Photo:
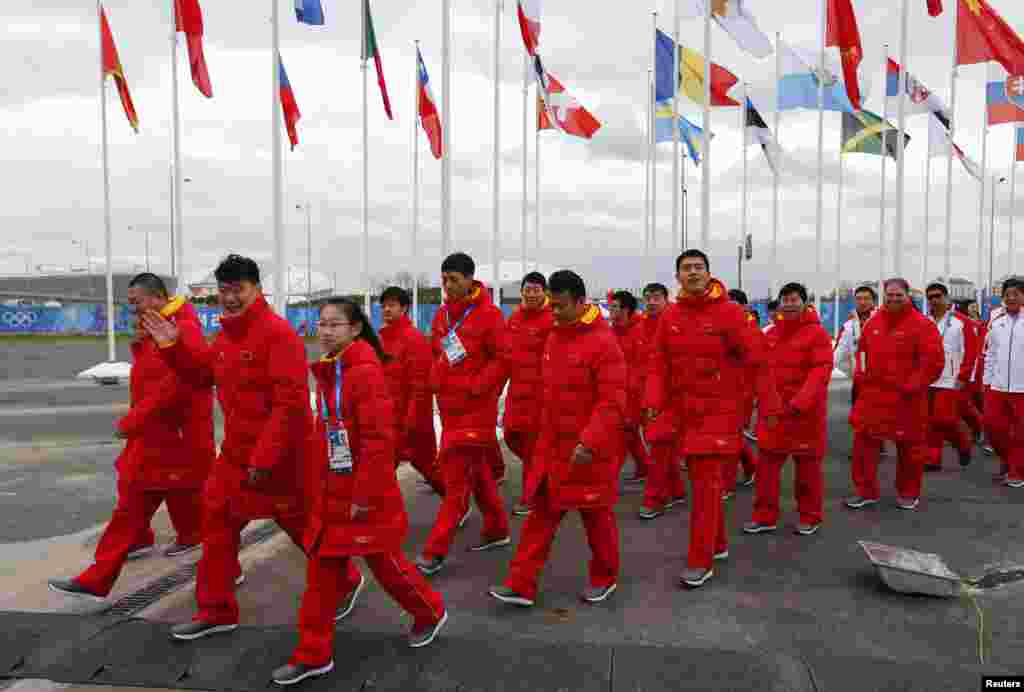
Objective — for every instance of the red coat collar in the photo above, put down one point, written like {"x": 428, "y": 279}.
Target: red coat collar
{"x": 238, "y": 326}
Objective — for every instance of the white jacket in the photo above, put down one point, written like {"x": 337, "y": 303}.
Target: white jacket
{"x": 846, "y": 348}
{"x": 1004, "y": 355}
{"x": 959, "y": 343}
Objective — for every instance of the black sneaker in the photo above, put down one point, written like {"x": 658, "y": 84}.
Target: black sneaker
{"x": 596, "y": 594}
{"x": 71, "y": 587}
{"x": 758, "y": 527}
{"x": 181, "y": 549}
{"x": 521, "y": 510}
{"x": 491, "y": 544}
{"x": 421, "y": 636}
{"x": 749, "y": 481}
{"x": 647, "y": 513}
{"x": 695, "y": 578}
{"x": 350, "y": 601}
{"x": 966, "y": 458}
{"x": 294, "y": 673}
{"x": 676, "y": 501}
{"x": 510, "y": 597}
{"x": 137, "y": 552}
{"x": 429, "y": 565}
{"x": 197, "y": 630}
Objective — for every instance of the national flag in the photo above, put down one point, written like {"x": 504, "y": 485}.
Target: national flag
{"x": 529, "y": 24}
{"x": 112, "y": 68}
{"x": 427, "y": 107}
{"x": 982, "y": 35}
{"x": 798, "y": 86}
{"x": 1020, "y": 144}
{"x": 689, "y": 134}
{"x": 288, "y": 105}
{"x": 939, "y": 144}
{"x": 188, "y": 19}
{"x": 1000, "y": 100}
{"x": 557, "y": 109}
{"x": 691, "y": 75}
{"x": 866, "y": 133}
{"x": 919, "y": 99}
{"x": 842, "y": 32}
{"x": 309, "y": 12}
{"x": 735, "y": 18}
{"x": 935, "y": 7}
{"x": 757, "y": 131}
{"x": 371, "y": 50}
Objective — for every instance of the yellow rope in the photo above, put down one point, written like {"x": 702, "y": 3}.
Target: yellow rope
{"x": 969, "y": 594}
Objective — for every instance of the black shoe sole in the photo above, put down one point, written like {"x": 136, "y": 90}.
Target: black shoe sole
{"x": 311, "y": 673}
{"x": 78, "y": 594}
{"x": 517, "y": 600}
{"x": 216, "y": 629}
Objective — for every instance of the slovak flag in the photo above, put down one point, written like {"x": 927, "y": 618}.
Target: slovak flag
{"x": 289, "y": 107}
{"x": 557, "y": 109}
{"x": 427, "y": 108}
{"x": 529, "y": 24}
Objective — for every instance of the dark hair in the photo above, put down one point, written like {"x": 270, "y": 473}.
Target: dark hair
{"x": 397, "y": 294}
{"x": 756, "y": 315}
{"x": 534, "y": 278}
{"x": 656, "y": 288}
{"x": 793, "y": 287}
{"x": 354, "y": 313}
{"x": 902, "y": 283}
{"x": 936, "y": 287}
{"x": 738, "y": 296}
{"x": 565, "y": 281}
{"x": 151, "y": 283}
{"x": 1013, "y": 282}
{"x": 235, "y": 268}
{"x": 693, "y": 253}
{"x": 459, "y": 262}
{"x": 626, "y": 300}
{"x": 867, "y": 289}
{"x": 773, "y": 305}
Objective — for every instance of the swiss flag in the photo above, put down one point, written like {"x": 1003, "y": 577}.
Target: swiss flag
{"x": 558, "y": 105}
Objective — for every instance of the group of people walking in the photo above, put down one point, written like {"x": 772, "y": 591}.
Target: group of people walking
{"x": 672, "y": 385}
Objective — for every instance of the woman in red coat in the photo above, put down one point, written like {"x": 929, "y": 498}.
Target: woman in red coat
{"x": 357, "y": 505}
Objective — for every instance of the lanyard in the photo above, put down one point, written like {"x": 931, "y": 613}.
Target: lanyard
{"x": 448, "y": 321}
{"x": 947, "y": 321}
{"x": 324, "y": 411}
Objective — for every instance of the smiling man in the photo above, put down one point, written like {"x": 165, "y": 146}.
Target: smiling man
{"x": 1004, "y": 384}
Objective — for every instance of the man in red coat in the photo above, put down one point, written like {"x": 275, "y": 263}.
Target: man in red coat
{"x": 972, "y": 395}
{"x": 468, "y": 375}
{"x": 703, "y": 349}
{"x": 581, "y": 446}
{"x": 408, "y": 375}
{"x": 747, "y": 457}
{"x": 629, "y": 330}
{"x": 169, "y": 452}
{"x": 258, "y": 364}
{"x": 899, "y": 356}
{"x": 526, "y": 332}
{"x": 801, "y": 354}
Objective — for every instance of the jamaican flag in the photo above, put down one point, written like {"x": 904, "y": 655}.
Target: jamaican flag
{"x": 866, "y": 133}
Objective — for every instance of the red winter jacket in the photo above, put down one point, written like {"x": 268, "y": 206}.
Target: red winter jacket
{"x": 800, "y": 351}
{"x": 651, "y": 323}
{"x": 899, "y": 356}
{"x": 584, "y": 403}
{"x": 408, "y": 376}
{"x": 697, "y": 364}
{"x": 467, "y": 392}
{"x": 366, "y": 413}
{"x": 525, "y": 335}
{"x": 258, "y": 364}
{"x": 633, "y": 343}
{"x": 170, "y": 424}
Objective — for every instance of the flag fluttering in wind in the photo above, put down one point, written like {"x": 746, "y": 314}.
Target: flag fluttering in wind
{"x": 188, "y": 19}
{"x": 1020, "y": 144}
{"x": 934, "y": 7}
{"x": 843, "y": 33}
{"x": 939, "y": 144}
{"x": 309, "y": 12}
{"x": 735, "y": 18}
{"x": 757, "y": 131}
{"x": 371, "y": 50}
{"x": 866, "y": 133}
{"x": 429, "y": 118}
{"x": 1004, "y": 101}
{"x": 919, "y": 99}
{"x": 982, "y": 35}
{"x": 690, "y": 134}
{"x": 798, "y": 85}
{"x": 112, "y": 68}
{"x": 558, "y": 110}
{"x": 690, "y": 80}
{"x": 289, "y": 107}
{"x": 529, "y": 24}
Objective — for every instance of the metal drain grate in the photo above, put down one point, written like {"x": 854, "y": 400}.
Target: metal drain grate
{"x": 149, "y": 594}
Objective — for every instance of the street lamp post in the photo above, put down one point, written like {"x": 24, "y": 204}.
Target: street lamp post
{"x": 88, "y": 262}
{"x": 992, "y": 239}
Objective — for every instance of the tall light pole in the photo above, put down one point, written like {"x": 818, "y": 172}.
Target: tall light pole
{"x": 309, "y": 252}
{"x": 84, "y": 244}
{"x": 996, "y": 180}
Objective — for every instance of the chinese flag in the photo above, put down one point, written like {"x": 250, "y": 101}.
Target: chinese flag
{"x": 112, "y": 68}
{"x": 188, "y": 18}
{"x": 982, "y": 35}
{"x": 842, "y": 32}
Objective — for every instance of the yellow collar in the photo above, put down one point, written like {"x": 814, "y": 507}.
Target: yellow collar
{"x": 173, "y": 306}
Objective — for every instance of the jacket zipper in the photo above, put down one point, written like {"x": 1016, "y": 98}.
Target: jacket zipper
{"x": 1009, "y": 360}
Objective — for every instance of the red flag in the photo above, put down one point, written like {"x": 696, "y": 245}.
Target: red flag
{"x": 842, "y": 32}
{"x": 289, "y": 106}
{"x": 112, "y": 68}
{"x": 570, "y": 117}
{"x": 982, "y": 35}
{"x": 188, "y": 18}
{"x": 429, "y": 118}
{"x": 935, "y": 7}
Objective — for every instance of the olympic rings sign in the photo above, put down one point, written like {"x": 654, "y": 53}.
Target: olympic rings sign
{"x": 19, "y": 319}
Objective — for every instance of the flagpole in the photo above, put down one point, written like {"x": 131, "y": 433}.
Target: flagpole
{"x": 820, "y": 212}
{"x": 177, "y": 191}
{"x": 446, "y": 168}
{"x": 526, "y": 156}
{"x": 676, "y": 187}
{"x": 654, "y": 142}
{"x": 981, "y": 205}
{"x": 648, "y": 134}
{"x": 743, "y": 202}
{"x": 536, "y": 195}
{"x": 775, "y": 180}
{"x": 280, "y": 258}
{"x": 365, "y": 211}
{"x": 948, "y": 250}
{"x": 897, "y": 257}
{"x": 925, "y": 235}
{"x": 1013, "y": 204}
{"x": 415, "y": 186}
{"x": 839, "y": 244}
{"x": 495, "y": 163}
{"x": 107, "y": 232}
{"x": 885, "y": 160}
{"x": 705, "y": 204}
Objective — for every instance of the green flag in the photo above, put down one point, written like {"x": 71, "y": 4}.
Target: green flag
{"x": 370, "y": 50}
{"x": 866, "y": 133}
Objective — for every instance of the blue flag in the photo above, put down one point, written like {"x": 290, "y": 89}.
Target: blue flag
{"x": 690, "y": 135}
{"x": 665, "y": 79}
{"x": 309, "y": 12}
{"x": 798, "y": 85}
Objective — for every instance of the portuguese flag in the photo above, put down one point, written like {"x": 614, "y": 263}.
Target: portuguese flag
{"x": 866, "y": 133}
{"x": 370, "y": 50}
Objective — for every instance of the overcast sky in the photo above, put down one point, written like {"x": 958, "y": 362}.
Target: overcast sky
{"x": 592, "y": 192}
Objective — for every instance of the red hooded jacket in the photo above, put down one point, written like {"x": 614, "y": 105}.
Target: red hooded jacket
{"x": 633, "y": 343}
{"x": 408, "y": 376}
{"x": 467, "y": 392}
{"x": 258, "y": 364}
{"x": 170, "y": 424}
{"x": 800, "y": 351}
{"x": 700, "y": 352}
{"x": 899, "y": 356}
{"x": 584, "y": 403}
{"x": 366, "y": 413}
{"x": 525, "y": 335}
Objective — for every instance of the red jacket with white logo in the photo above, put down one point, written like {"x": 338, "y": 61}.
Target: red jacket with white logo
{"x": 702, "y": 348}
{"x": 408, "y": 377}
{"x": 584, "y": 403}
{"x": 366, "y": 412}
{"x": 800, "y": 351}
{"x": 899, "y": 356}
{"x": 633, "y": 343}
{"x": 525, "y": 336}
{"x": 170, "y": 424}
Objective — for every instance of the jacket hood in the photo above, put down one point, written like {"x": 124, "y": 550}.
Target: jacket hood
{"x": 478, "y": 297}
{"x": 591, "y": 318}
{"x": 357, "y": 353}
{"x": 714, "y": 293}
{"x": 809, "y": 315}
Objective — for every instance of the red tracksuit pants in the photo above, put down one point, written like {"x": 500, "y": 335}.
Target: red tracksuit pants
{"x": 329, "y": 579}
{"x": 909, "y": 467}
{"x": 638, "y": 450}
{"x": 944, "y": 424}
{"x": 423, "y": 458}
{"x": 466, "y": 470}
{"x": 708, "y": 534}
{"x": 748, "y": 458}
{"x": 497, "y": 461}
{"x": 130, "y": 520}
{"x": 809, "y": 488}
{"x": 538, "y": 534}
{"x": 522, "y": 443}
{"x": 664, "y": 478}
{"x": 1004, "y": 424}
{"x": 971, "y": 404}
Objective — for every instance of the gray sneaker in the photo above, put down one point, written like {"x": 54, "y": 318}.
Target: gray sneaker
{"x": 757, "y": 527}
{"x": 421, "y": 636}
{"x": 350, "y": 601}
{"x": 675, "y": 501}
{"x": 695, "y": 578}
{"x": 807, "y": 529}
{"x": 189, "y": 631}
{"x": 596, "y": 594}
{"x": 72, "y": 587}
{"x": 294, "y": 673}
{"x": 858, "y": 502}
{"x": 429, "y": 565}
{"x": 137, "y": 552}
{"x": 647, "y": 513}
{"x": 1015, "y": 483}
{"x": 908, "y": 503}
{"x": 521, "y": 510}
{"x": 490, "y": 544}
{"x": 722, "y": 555}
{"x": 510, "y": 597}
